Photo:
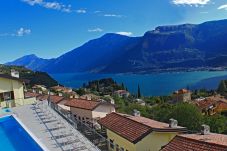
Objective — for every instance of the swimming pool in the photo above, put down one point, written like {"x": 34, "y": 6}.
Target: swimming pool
{"x": 13, "y": 137}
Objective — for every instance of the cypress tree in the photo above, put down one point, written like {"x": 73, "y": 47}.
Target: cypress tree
{"x": 222, "y": 87}
{"x": 138, "y": 92}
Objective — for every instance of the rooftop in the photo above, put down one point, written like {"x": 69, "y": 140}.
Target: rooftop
{"x": 181, "y": 91}
{"x": 83, "y": 104}
{"x": 46, "y": 125}
{"x": 134, "y": 128}
{"x": 32, "y": 94}
{"x": 202, "y": 104}
{"x": 198, "y": 142}
{"x": 5, "y": 76}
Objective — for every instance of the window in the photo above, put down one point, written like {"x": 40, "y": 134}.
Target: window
{"x": 111, "y": 144}
{"x": 7, "y": 95}
{"x": 122, "y": 149}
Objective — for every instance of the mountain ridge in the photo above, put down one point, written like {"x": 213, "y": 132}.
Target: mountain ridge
{"x": 172, "y": 47}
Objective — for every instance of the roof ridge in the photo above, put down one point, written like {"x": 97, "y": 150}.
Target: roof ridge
{"x": 131, "y": 119}
{"x": 201, "y": 140}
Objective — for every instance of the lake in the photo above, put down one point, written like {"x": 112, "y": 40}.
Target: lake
{"x": 154, "y": 84}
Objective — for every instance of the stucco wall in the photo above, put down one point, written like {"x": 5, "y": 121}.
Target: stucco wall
{"x": 81, "y": 112}
{"x": 122, "y": 142}
{"x": 152, "y": 142}
{"x": 102, "y": 110}
{"x": 7, "y": 85}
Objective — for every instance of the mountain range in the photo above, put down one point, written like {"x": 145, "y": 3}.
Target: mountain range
{"x": 175, "y": 47}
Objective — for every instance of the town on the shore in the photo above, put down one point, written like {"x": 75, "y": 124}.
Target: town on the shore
{"x": 106, "y": 110}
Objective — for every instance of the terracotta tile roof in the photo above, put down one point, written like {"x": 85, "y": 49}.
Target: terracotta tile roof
{"x": 56, "y": 99}
{"x": 42, "y": 97}
{"x": 197, "y": 142}
{"x": 129, "y": 129}
{"x": 31, "y": 94}
{"x": 206, "y": 103}
{"x": 83, "y": 104}
{"x": 134, "y": 128}
{"x": 181, "y": 91}
{"x": 222, "y": 105}
{"x": 155, "y": 125}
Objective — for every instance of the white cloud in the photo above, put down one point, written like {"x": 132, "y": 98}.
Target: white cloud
{"x": 23, "y": 31}
{"x": 20, "y": 32}
{"x": 223, "y": 7}
{"x": 191, "y": 2}
{"x": 95, "y": 30}
{"x": 112, "y": 15}
{"x": 49, "y": 5}
{"x": 125, "y": 33}
{"x": 81, "y": 11}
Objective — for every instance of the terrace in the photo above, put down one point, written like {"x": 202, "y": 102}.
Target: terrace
{"x": 52, "y": 130}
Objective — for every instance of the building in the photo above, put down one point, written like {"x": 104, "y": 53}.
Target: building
{"x": 12, "y": 91}
{"x": 198, "y": 142}
{"x": 207, "y": 106}
{"x": 182, "y": 95}
{"x": 90, "y": 96}
{"x": 136, "y": 133}
{"x": 59, "y": 88}
{"x": 211, "y": 105}
{"x": 39, "y": 88}
{"x": 122, "y": 93}
{"x": 88, "y": 111}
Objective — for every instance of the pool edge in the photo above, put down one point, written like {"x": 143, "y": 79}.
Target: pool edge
{"x": 42, "y": 146}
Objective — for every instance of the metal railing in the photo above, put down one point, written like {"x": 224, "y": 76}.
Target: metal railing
{"x": 97, "y": 137}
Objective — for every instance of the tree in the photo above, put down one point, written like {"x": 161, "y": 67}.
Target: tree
{"x": 222, "y": 87}
{"x": 188, "y": 116}
{"x": 138, "y": 91}
{"x": 122, "y": 85}
{"x": 217, "y": 123}
{"x": 162, "y": 112}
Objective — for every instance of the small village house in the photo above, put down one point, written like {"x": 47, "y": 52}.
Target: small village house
{"x": 39, "y": 88}
{"x": 136, "y": 133}
{"x": 122, "y": 93}
{"x": 89, "y": 111}
{"x": 182, "y": 95}
{"x": 211, "y": 105}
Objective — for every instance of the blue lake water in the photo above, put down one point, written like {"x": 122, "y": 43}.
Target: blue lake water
{"x": 150, "y": 84}
{"x": 14, "y": 138}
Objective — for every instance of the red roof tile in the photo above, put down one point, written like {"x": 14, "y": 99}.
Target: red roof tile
{"x": 129, "y": 129}
{"x": 55, "y": 99}
{"x": 206, "y": 103}
{"x": 83, "y": 104}
{"x": 197, "y": 142}
{"x": 42, "y": 97}
{"x": 181, "y": 91}
{"x": 32, "y": 94}
{"x": 134, "y": 128}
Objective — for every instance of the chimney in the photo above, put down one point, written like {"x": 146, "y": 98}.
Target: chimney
{"x": 15, "y": 73}
{"x": 112, "y": 101}
{"x": 205, "y": 129}
{"x": 173, "y": 123}
{"x": 136, "y": 112}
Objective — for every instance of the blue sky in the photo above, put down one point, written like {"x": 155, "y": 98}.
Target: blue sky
{"x": 49, "y": 28}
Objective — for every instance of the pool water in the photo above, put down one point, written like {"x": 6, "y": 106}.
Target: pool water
{"x": 13, "y": 136}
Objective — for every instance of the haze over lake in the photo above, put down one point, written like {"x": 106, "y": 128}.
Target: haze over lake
{"x": 150, "y": 84}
